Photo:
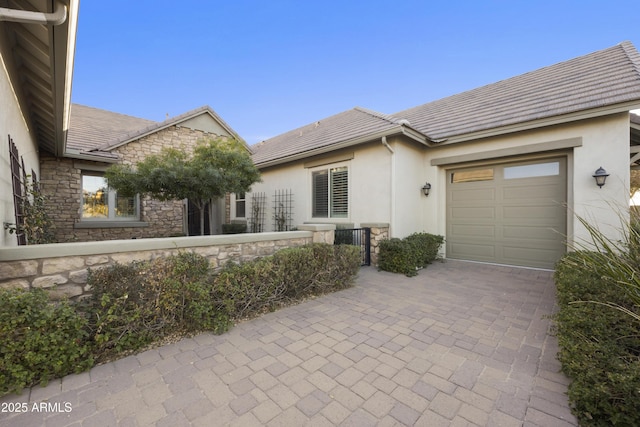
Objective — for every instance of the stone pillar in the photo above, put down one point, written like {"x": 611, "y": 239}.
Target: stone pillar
{"x": 379, "y": 232}
{"x": 322, "y": 233}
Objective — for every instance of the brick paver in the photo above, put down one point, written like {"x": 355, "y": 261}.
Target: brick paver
{"x": 460, "y": 344}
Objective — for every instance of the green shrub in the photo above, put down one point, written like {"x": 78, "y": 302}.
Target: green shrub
{"x": 408, "y": 255}
{"x": 234, "y": 228}
{"x": 599, "y": 342}
{"x": 39, "y": 340}
{"x": 133, "y": 305}
{"x": 424, "y": 247}
{"x": 243, "y": 290}
{"x": 254, "y": 287}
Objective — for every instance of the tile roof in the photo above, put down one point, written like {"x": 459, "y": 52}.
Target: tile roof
{"x": 607, "y": 77}
{"x": 600, "y": 79}
{"x": 95, "y": 132}
{"x": 90, "y": 128}
{"x": 355, "y": 123}
{"x": 157, "y": 126}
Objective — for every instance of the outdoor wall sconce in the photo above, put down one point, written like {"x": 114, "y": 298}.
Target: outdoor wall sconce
{"x": 600, "y": 176}
{"x": 426, "y": 188}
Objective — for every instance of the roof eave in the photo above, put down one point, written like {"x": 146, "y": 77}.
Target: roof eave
{"x": 83, "y": 155}
{"x": 362, "y": 139}
{"x": 64, "y": 38}
{"x": 549, "y": 121}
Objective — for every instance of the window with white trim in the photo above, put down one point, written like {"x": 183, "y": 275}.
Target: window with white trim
{"x": 330, "y": 193}
{"x": 101, "y": 203}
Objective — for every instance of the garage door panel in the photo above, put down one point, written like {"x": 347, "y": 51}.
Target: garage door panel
{"x": 540, "y": 192}
{"x": 516, "y": 221}
{"x": 540, "y": 233}
{"x": 473, "y": 212}
{"x": 526, "y": 213}
{"x": 473, "y": 230}
{"x": 471, "y": 195}
{"x": 479, "y": 251}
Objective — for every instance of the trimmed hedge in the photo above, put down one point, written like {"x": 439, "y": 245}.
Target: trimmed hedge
{"x": 138, "y": 304}
{"x": 410, "y": 254}
{"x": 599, "y": 344}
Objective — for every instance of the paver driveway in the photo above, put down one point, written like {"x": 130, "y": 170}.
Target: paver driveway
{"x": 461, "y": 344}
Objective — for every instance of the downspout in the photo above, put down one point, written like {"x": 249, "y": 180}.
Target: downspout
{"x": 59, "y": 15}
{"x": 392, "y": 212}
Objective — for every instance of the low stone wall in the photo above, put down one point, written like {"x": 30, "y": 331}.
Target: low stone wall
{"x": 62, "y": 268}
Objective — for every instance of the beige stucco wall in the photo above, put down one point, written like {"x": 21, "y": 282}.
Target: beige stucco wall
{"x": 408, "y": 182}
{"x": 13, "y": 123}
{"x": 369, "y": 186}
{"x": 604, "y": 142}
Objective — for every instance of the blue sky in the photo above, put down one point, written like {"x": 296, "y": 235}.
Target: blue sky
{"x": 267, "y": 67}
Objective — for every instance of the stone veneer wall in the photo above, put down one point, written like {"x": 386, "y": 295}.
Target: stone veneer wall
{"x": 61, "y": 182}
{"x": 379, "y": 232}
{"x": 62, "y": 268}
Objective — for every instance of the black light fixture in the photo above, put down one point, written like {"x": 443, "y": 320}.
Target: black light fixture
{"x": 426, "y": 188}
{"x": 600, "y": 176}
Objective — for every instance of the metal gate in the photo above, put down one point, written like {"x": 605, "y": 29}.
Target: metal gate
{"x": 357, "y": 237}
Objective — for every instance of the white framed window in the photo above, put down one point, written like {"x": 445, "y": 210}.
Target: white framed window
{"x": 101, "y": 203}
{"x": 330, "y": 192}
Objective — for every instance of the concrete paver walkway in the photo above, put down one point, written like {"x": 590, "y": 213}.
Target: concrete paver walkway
{"x": 461, "y": 344}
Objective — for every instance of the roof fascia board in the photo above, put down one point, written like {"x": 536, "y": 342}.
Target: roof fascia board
{"x": 62, "y": 58}
{"x": 73, "y": 154}
{"x": 400, "y": 129}
{"x": 550, "y": 121}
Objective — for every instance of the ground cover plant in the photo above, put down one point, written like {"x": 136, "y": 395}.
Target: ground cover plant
{"x": 410, "y": 254}
{"x": 598, "y": 328}
{"x": 135, "y": 305}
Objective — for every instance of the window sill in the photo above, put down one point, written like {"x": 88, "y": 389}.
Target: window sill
{"x": 110, "y": 224}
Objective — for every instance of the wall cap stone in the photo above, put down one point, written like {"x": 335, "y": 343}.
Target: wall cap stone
{"x": 375, "y": 224}
{"x": 17, "y": 253}
{"x": 317, "y": 227}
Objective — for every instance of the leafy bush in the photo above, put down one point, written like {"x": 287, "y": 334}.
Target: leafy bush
{"x": 289, "y": 275}
{"x": 599, "y": 341}
{"x": 425, "y": 247}
{"x": 39, "y": 340}
{"x": 135, "y": 304}
{"x": 234, "y": 228}
{"x": 408, "y": 255}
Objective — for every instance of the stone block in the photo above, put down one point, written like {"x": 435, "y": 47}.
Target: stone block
{"x": 49, "y": 281}
{"x": 65, "y": 291}
{"x": 96, "y": 260}
{"x": 15, "y": 284}
{"x": 207, "y": 251}
{"x": 79, "y": 276}
{"x": 16, "y": 269}
{"x": 60, "y": 265}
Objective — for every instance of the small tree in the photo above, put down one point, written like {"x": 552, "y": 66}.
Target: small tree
{"x": 218, "y": 166}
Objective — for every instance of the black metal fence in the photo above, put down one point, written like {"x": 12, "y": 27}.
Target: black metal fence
{"x": 357, "y": 237}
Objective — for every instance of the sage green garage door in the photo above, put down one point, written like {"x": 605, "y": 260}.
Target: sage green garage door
{"x": 510, "y": 214}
